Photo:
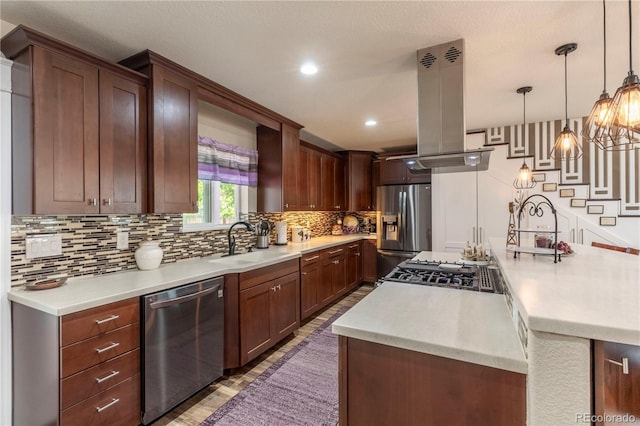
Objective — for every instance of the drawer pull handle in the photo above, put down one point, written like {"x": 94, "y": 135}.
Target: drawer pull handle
{"x": 104, "y": 407}
{"x": 335, "y": 251}
{"x": 624, "y": 364}
{"x": 311, "y": 258}
{"x": 111, "y": 318}
{"x": 353, "y": 246}
{"x": 114, "y": 373}
{"x": 111, "y": 346}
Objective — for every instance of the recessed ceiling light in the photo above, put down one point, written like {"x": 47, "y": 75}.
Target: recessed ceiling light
{"x": 370, "y": 123}
{"x": 309, "y": 68}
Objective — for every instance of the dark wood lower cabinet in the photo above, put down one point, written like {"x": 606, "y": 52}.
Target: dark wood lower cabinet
{"x": 616, "y": 387}
{"x": 268, "y": 312}
{"x": 369, "y": 266}
{"x": 384, "y": 385}
{"x": 354, "y": 264}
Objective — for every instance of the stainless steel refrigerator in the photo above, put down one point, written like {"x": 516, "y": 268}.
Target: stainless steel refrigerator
{"x": 403, "y": 223}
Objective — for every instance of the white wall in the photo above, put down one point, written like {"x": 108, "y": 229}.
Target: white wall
{"x": 226, "y": 127}
{"x": 5, "y": 241}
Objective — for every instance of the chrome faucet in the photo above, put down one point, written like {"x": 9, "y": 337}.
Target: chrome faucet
{"x": 232, "y": 240}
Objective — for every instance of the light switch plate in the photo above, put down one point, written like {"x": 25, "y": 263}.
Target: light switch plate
{"x": 122, "y": 240}
{"x": 44, "y": 246}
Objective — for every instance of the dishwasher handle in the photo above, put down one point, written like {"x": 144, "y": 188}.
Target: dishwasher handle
{"x": 182, "y": 299}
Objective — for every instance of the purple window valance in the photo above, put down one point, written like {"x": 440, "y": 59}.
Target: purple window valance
{"x": 227, "y": 163}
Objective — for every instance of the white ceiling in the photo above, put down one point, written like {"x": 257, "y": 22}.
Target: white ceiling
{"x": 365, "y": 52}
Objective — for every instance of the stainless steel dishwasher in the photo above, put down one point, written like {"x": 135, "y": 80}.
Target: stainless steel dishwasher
{"x": 182, "y": 344}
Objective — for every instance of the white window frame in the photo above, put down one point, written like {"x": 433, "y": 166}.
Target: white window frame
{"x": 241, "y": 207}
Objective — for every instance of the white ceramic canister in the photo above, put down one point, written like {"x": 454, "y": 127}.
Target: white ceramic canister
{"x": 297, "y": 234}
{"x": 148, "y": 255}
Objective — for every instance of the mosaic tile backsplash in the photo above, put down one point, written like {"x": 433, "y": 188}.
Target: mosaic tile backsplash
{"x": 89, "y": 242}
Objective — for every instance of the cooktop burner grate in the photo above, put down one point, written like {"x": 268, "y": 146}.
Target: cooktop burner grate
{"x": 442, "y": 274}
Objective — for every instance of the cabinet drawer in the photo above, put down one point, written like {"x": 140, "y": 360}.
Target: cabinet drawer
{"x": 91, "y": 322}
{"x": 97, "y": 379}
{"x": 311, "y": 258}
{"x": 98, "y": 349}
{"x": 119, "y": 405}
{"x": 335, "y": 251}
{"x": 258, "y": 276}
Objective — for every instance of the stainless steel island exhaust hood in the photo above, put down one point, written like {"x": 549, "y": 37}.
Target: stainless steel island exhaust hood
{"x": 441, "y": 113}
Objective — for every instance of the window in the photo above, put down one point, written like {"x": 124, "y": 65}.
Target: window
{"x": 224, "y": 173}
{"x": 219, "y": 204}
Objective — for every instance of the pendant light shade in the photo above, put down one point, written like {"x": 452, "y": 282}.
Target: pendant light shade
{"x": 524, "y": 179}
{"x": 625, "y": 107}
{"x": 566, "y": 146}
{"x": 597, "y": 126}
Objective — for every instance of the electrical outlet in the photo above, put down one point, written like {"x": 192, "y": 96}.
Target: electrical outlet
{"x": 44, "y": 246}
{"x": 122, "y": 240}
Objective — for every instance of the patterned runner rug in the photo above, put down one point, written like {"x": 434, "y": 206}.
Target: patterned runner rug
{"x": 301, "y": 388}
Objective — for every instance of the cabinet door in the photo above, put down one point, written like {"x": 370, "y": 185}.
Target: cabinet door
{"x": 339, "y": 185}
{"x": 369, "y": 267}
{"x": 392, "y": 172}
{"x": 309, "y": 182}
{"x": 290, "y": 147}
{"x": 454, "y": 210}
{"x": 255, "y": 321}
{"x": 310, "y": 279}
{"x": 339, "y": 274}
{"x": 174, "y": 143}
{"x": 423, "y": 176}
{"x": 123, "y": 145}
{"x": 325, "y": 288}
{"x": 65, "y": 132}
{"x": 286, "y": 307}
{"x": 327, "y": 182}
{"x": 375, "y": 182}
{"x": 359, "y": 176}
{"x": 354, "y": 265}
{"x": 616, "y": 390}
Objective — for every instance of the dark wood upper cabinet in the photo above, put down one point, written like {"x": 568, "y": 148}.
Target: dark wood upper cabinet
{"x": 309, "y": 188}
{"x": 173, "y": 134}
{"x": 123, "y": 145}
{"x": 278, "y": 157}
{"x": 359, "y": 175}
{"x": 78, "y": 129}
{"x": 375, "y": 182}
{"x": 396, "y": 172}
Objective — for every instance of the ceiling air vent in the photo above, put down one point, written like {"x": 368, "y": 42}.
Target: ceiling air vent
{"x": 452, "y": 54}
{"x": 428, "y": 60}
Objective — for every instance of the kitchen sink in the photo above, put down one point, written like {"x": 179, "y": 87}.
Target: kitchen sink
{"x": 246, "y": 258}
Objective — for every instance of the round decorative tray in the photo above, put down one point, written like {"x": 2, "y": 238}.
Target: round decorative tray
{"x": 44, "y": 285}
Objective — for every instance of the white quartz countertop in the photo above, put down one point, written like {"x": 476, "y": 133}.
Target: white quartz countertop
{"x": 458, "y": 324}
{"x": 85, "y": 293}
{"x": 594, "y": 293}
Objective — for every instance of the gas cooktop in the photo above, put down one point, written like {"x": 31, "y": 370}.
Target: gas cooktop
{"x": 444, "y": 274}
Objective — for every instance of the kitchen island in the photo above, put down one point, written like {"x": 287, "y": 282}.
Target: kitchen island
{"x": 556, "y": 309}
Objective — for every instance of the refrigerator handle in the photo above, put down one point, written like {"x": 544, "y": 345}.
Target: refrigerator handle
{"x": 403, "y": 210}
{"x": 400, "y": 219}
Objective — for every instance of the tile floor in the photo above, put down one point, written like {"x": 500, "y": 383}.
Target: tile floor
{"x": 196, "y": 409}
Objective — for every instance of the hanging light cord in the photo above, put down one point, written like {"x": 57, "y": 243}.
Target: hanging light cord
{"x": 630, "y": 61}
{"x": 524, "y": 124}
{"x": 604, "y": 30}
{"x": 566, "y": 114}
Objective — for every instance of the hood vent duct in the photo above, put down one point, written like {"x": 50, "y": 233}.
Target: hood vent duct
{"x": 441, "y": 113}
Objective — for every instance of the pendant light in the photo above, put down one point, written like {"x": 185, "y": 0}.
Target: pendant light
{"x": 596, "y": 128}
{"x": 566, "y": 146}
{"x": 524, "y": 179}
{"x": 625, "y": 108}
